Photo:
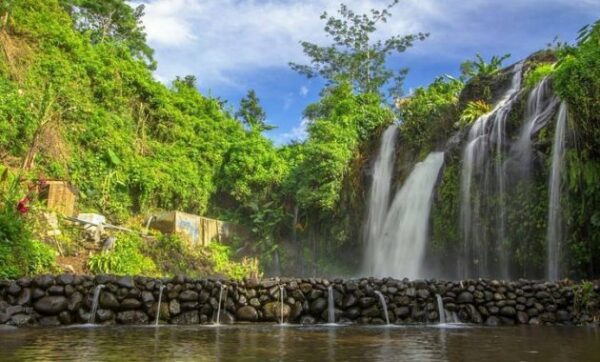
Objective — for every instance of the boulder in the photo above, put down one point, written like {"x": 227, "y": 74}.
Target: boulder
{"x": 130, "y": 303}
{"x": 51, "y": 305}
{"x": 318, "y": 306}
{"x": 465, "y": 298}
{"x": 126, "y": 282}
{"x": 108, "y": 300}
{"x": 247, "y": 313}
{"x": 188, "y": 296}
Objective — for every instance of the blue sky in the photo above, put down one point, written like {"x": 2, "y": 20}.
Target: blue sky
{"x": 232, "y": 46}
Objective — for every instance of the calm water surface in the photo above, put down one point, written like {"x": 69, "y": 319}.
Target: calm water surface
{"x": 301, "y": 343}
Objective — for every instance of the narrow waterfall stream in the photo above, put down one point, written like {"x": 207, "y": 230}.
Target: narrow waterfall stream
{"x": 160, "y": 293}
{"x": 400, "y": 249}
{"x": 383, "y": 306}
{"x": 218, "y": 321}
{"x": 440, "y": 306}
{"x": 483, "y": 172}
{"x": 92, "y": 317}
{"x": 554, "y": 230}
{"x": 330, "y": 305}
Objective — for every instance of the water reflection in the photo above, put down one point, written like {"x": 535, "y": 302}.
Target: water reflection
{"x": 298, "y": 343}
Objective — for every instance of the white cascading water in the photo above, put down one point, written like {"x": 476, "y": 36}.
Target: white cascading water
{"x": 481, "y": 163}
{"x": 379, "y": 194}
{"x": 554, "y": 231}
{"x": 541, "y": 104}
{"x": 400, "y": 248}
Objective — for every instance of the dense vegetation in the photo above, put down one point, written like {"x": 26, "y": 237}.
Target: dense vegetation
{"x": 78, "y": 102}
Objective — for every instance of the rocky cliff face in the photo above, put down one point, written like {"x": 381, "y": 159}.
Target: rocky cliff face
{"x": 67, "y": 299}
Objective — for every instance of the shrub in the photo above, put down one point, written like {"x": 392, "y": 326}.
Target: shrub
{"x": 220, "y": 256}
{"x": 473, "y": 111}
{"x": 125, "y": 259}
{"x": 537, "y": 73}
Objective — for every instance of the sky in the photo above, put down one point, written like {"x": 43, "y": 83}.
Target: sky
{"x": 232, "y": 46}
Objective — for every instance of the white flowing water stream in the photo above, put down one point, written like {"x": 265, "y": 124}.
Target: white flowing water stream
{"x": 482, "y": 167}
{"x": 554, "y": 230}
{"x": 400, "y": 248}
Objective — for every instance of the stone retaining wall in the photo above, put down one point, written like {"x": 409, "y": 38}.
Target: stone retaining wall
{"x": 67, "y": 299}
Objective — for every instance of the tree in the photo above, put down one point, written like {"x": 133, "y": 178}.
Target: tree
{"x": 354, "y": 56}
{"x": 479, "y": 67}
{"x": 252, "y": 114}
{"x": 112, "y": 20}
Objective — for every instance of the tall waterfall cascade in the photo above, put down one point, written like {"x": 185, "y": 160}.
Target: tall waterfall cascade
{"x": 554, "y": 230}
{"x": 379, "y": 194}
{"x": 398, "y": 249}
{"x": 483, "y": 174}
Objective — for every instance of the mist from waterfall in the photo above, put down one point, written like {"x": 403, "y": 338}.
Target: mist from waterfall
{"x": 555, "y": 223}
{"x": 400, "y": 248}
{"x": 483, "y": 175}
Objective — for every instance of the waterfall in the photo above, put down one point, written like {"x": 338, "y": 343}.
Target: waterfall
{"x": 330, "y": 305}
{"x": 541, "y": 104}
{"x": 160, "y": 293}
{"x": 400, "y": 249}
{"x": 218, "y": 322}
{"x": 554, "y": 232}
{"x": 384, "y": 306}
{"x": 281, "y": 300}
{"x": 379, "y": 195}
{"x": 92, "y": 317}
{"x": 441, "y": 311}
{"x": 481, "y": 164}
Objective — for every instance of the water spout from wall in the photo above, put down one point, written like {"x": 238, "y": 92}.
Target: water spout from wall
{"x": 160, "y": 293}
{"x": 281, "y": 287}
{"x": 330, "y": 305}
{"x": 95, "y": 301}
{"x": 441, "y": 311}
{"x": 218, "y": 321}
{"x": 384, "y": 306}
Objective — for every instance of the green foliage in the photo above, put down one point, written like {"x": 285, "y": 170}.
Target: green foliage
{"x": 252, "y": 114}
{"x": 112, "y": 20}
{"x": 584, "y": 296}
{"x": 473, "y": 111}
{"x": 20, "y": 254}
{"x": 354, "y": 56}
{"x": 339, "y": 122}
{"x": 430, "y": 113}
{"x": 538, "y": 72}
{"x": 174, "y": 255}
{"x": 220, "y": 256}
{"x": 481, "y": 68}
{"x": 126, "y": 258}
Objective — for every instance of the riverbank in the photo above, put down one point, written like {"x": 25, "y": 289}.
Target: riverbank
{"x": 69, "y": 299}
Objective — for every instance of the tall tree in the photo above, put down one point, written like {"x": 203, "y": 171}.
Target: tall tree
{"x": 112, "y": 20}
{"x": 252, "y": 114}
{"x": 354, "y": 55}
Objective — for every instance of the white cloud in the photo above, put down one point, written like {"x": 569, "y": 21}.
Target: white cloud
{"x": 303, "y": 91}
{"x": 297, "y": 133}
{"x": 219, "y": 39}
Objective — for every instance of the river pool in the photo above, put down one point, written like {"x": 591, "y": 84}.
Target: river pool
{"x": 301, "y": 343}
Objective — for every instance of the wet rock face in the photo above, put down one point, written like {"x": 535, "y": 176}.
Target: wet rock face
{"x": 67, "y": 299}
